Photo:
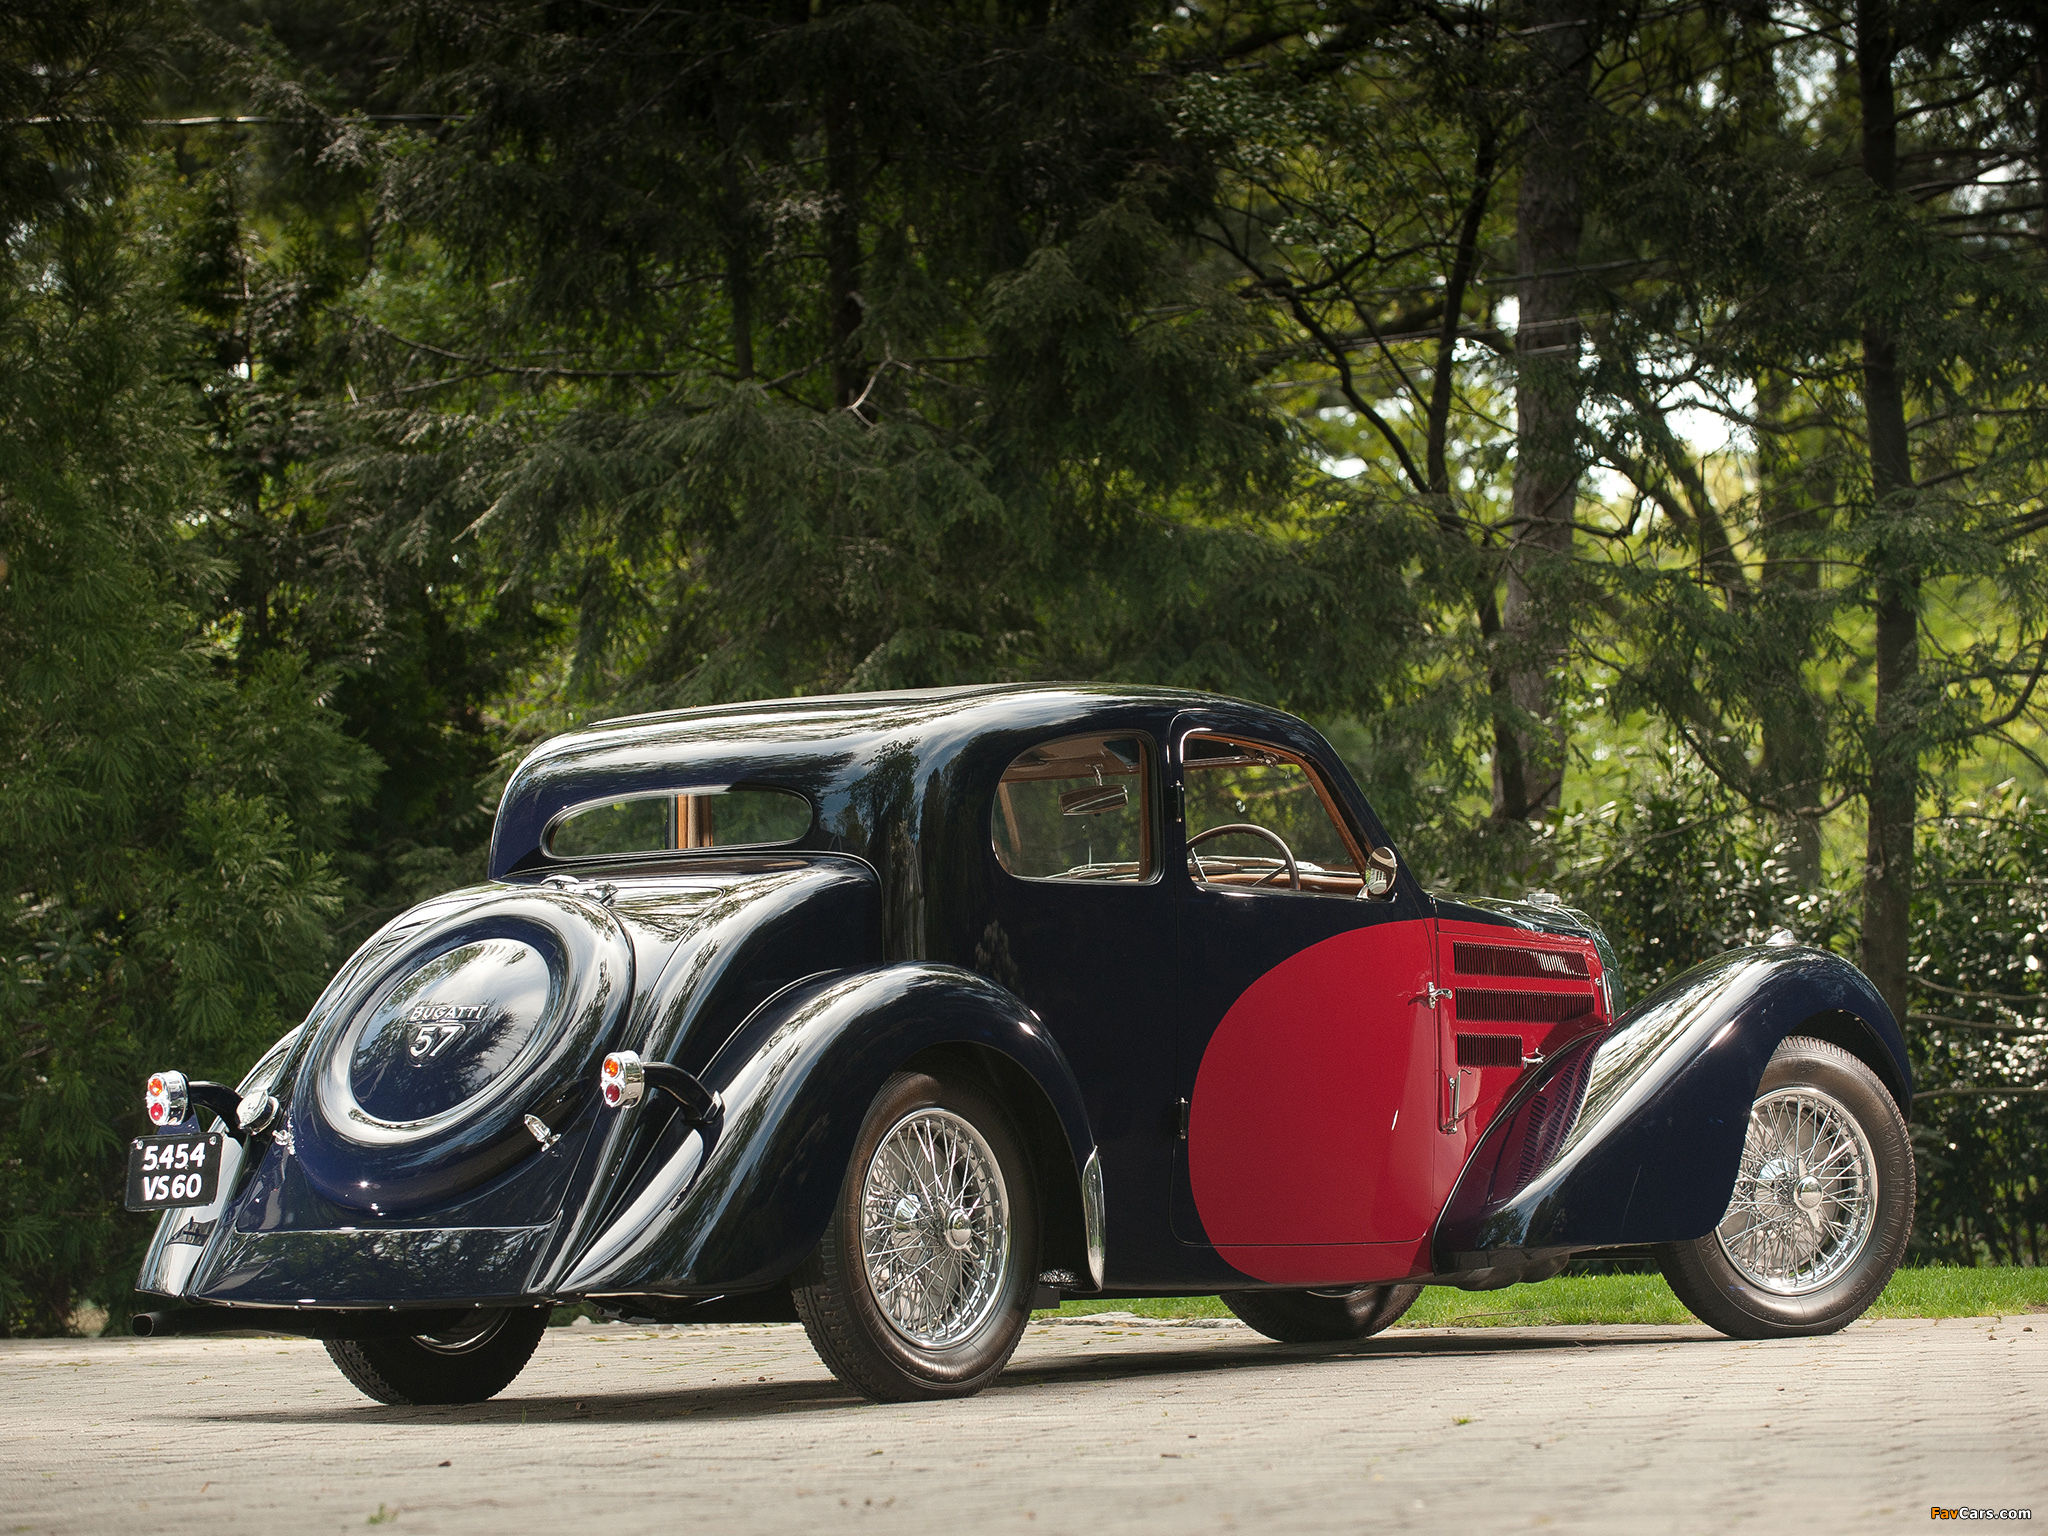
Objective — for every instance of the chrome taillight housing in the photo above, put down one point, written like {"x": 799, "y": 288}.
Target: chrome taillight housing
{"x": 166, "y": 1099}
{"x": 622, "y": 1079}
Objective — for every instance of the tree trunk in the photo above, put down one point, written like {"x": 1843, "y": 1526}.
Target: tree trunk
{"x": 737, "y": 238}
{"x": 2041, "y": 130}
{"x": 1892, "y": 795}
{"x": 1793, "y": 764}
{"x": 842, "y": 243}
{"x": 1528, "y": 759}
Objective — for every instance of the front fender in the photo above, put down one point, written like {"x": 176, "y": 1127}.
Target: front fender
{"x": 1638, "y": 1138}
{"x": 740, "y": 1202}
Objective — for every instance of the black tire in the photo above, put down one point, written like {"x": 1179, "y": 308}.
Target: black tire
{"x": 1847, "y": 1277}
{"x": 1322, "y": 1317}
{"x": 469, "y": 1363}
{"x": 837, "y": 1299}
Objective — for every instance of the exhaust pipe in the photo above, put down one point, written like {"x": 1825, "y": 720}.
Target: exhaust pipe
{"x": 301, "y": 1322}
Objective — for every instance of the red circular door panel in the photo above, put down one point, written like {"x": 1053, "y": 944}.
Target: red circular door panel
{"x": 1310, "y": 1120}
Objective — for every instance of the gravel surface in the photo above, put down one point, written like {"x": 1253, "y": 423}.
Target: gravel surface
{"x": 1102, "y": 1424}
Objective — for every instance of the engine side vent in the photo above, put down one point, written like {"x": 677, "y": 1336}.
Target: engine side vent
{"x": 1501, "y": 960}
{"x": 1535, "y": 1146}
{"x": 1489, "y": 1050}
{"x": 1475, "y": 1005}
{"x": 1551, "y": 1115}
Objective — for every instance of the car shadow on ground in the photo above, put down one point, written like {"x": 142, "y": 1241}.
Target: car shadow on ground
{"x": 740, "y": 1400}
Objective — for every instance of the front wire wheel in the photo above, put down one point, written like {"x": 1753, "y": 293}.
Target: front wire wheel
{"x": 922, "y": 1284}
{"x": 1806, "y": 1196}
{"x": 1322, "y": 1317}
{"x": 1822, "y": 1205}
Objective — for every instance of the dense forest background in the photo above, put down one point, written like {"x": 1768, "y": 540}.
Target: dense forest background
{"x": 1620, "y": 427}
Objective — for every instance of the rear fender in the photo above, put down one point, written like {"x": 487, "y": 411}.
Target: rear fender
{"x": 740, "y": 1202}
{"x": 742, "y": 959}
{"x": 1638, "y": 1138}
{"x": 173, "y": 1252}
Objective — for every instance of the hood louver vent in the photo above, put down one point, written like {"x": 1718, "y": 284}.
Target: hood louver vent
{"x": 1476, "y": 1005}
{"x": 1489, "y": 1050}
{"x": 1500, "y": 960}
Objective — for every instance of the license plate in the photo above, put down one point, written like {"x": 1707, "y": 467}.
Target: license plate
{"x": 166, "y": 1172}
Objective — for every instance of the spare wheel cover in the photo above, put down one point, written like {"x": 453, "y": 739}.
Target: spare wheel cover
{"x": 420, "y": 1077}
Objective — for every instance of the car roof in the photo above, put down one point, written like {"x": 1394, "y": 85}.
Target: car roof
{"x": 825, "y": 746}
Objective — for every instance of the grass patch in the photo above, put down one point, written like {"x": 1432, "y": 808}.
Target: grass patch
{"x": 1547, "y": 1303}
{"x": 1149, "y": 1306}
{"x": 1989, "y": 1291}
{"x": 1579, "y": 1299}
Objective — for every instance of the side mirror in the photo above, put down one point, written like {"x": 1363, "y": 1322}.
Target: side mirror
{"x": 1380, "y": 869}
{"x": 1094, "y": 799}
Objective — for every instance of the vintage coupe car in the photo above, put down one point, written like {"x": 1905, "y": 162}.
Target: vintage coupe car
{"x": 904, "y": 1014}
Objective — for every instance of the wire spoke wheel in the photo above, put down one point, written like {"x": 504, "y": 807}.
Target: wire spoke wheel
{"x": 921, "y": 1284}
{"x": 935, "y": 1228}
{"x": 1822, "y": 1204}
{"x": 1805, "y": 1200}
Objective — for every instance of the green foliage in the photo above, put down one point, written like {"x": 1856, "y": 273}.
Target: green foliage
{"x": 1686, "y": 872}
{"x": 1980, "y": 1032}
{"x": 529, "y": 364}
{"x": 165, "y": 825}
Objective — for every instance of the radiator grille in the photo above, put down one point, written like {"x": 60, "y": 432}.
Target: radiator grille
{"x": 1477, "y": 1004}
{"x": 1501, "y": 960}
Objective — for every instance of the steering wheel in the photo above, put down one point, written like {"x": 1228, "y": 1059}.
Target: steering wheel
{"x": 1293, "y": 869}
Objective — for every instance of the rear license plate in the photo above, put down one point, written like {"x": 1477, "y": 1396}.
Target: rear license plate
{"x": 166, "y": 1172}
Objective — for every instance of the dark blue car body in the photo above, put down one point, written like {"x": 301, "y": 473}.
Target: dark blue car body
{"x": 1220, "y": 1089}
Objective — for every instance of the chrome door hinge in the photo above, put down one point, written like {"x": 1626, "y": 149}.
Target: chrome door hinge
{"x": 1454, "y": 1091}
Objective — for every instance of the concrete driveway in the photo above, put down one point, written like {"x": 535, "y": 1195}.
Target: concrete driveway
{"x": 1099, "y": 1426}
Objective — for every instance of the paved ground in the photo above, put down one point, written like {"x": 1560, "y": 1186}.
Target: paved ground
{"x": 1098, "y": 1427}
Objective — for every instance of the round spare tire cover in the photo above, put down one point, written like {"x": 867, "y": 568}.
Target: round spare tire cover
{"x": 421, "y": 1075}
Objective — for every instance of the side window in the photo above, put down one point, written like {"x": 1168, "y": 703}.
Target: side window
{"x": 745, "y": 817}
{"x": 1249, "y": 807}
{"x": 1077, "y": 809}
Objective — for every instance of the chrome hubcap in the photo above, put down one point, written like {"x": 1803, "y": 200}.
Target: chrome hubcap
{"x": 935, "y": 1228}
{"x": 472, "y": 1333}
{"x": 1806, "y": 1198}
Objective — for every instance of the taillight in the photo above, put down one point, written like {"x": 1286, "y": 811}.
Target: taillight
{"x": 166, "y": 1099}
{"x": 622, "y": 1079}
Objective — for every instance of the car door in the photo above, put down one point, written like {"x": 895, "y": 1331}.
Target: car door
{"x": 1306, "y": 1038}
{"x": 1511, "y": 998}
{"x": 1082, "y": 931}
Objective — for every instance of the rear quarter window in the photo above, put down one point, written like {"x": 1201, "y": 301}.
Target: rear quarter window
{"x": 743, "y": 816}
{"x": 1079, "y": 808}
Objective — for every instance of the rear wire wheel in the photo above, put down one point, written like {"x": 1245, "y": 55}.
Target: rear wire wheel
{"x": 1822, "y": 1205}
{"x": 922, "y": 1284}
{"x": 1322, "y": 1317}
{"x": 468, "y": 1363}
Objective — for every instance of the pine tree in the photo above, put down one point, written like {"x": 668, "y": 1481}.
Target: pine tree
{"x": 165, "y": 882}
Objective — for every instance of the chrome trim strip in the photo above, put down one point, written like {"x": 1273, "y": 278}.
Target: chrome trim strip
{"x": 1095, "y": 1214}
